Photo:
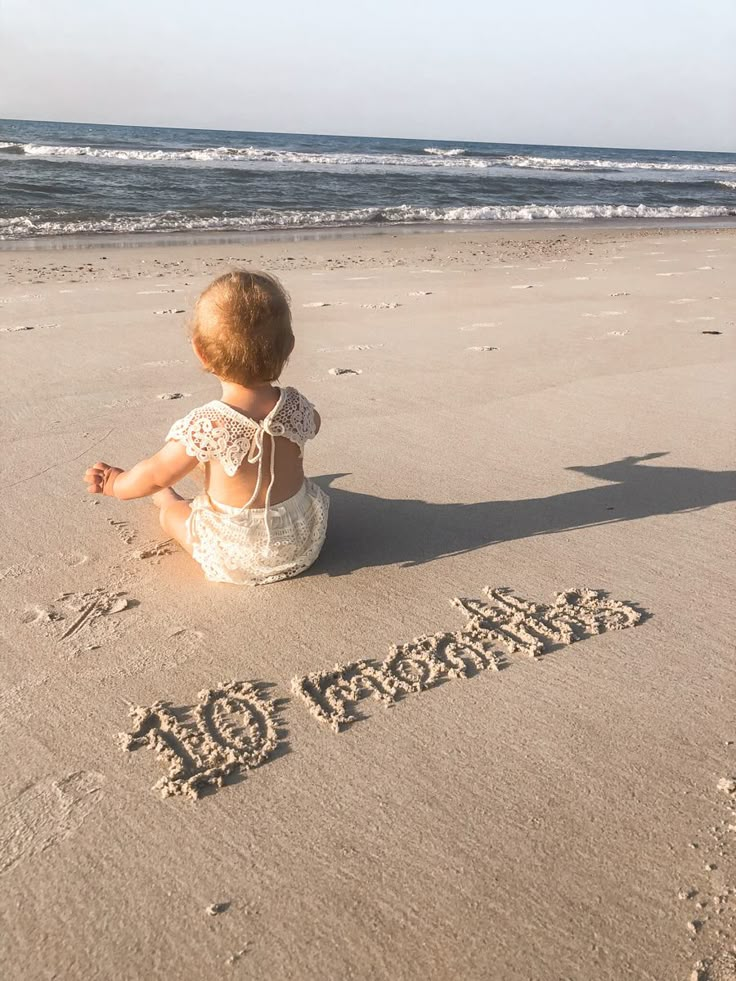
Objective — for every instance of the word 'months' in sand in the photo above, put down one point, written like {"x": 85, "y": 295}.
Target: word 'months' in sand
{"x": 506, "y": 625}
{"x": 232, "y": 728}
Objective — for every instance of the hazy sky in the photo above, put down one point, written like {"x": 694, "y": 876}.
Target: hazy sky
{"x": 633, "y": 73}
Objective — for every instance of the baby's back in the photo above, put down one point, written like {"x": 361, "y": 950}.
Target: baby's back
{"x": 239, "y": 490}
{"x": 251, "y": 460}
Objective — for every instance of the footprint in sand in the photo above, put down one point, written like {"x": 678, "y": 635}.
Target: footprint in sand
{"x": 236, "y": 955}
{"x": 581, "y": 278}
{"x": 232, "y": 728}
{"x": 711, "y": 332}
{"x": 420, "y": 293}
{"x": 670, "y": 274}
{"x": 317, "y": 303}
{"x": 523, "y": 286}
{"x": 488, "y": 323}
{"x": 703, "y": 268}
{"x": 355, "y": 279}
{"x": 123, "y": 529}
{"x": 166, "y": 396}
{"x": 621, "y": 293}
{"x": 482, "y": 347}
{"x": 155, "y": 292}
{"x": 172, "y": 310}
{"x": 380, "y": 306}
{"x": 13, "y": 330}
{"x": 344, "y": 371}
{"x": 189, "y": 632}
{"x": 685, "y": 299}
{"x": 44, "y": 814}
{"x": 73, "y": 559}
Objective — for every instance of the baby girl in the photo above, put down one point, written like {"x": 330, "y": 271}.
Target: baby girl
{"x": 259, "y": 519}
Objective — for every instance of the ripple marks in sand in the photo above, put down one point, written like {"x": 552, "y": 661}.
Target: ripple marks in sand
{"x": 44, "y": 814}
{"x": 505, "y": 625}
{"x": 232, "y": 728}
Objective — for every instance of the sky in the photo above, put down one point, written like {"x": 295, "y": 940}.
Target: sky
{"x": 628, "y": 73}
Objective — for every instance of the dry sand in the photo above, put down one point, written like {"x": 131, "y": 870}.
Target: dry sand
{"x": 537, "y": 410}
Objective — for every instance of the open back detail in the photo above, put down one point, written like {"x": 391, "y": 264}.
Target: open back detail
{"x": 217, "y": 431}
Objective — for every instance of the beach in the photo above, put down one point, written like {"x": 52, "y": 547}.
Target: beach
{"x": 532, "y": 409}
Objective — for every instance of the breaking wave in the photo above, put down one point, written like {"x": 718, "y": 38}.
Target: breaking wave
{"x": 436, "y": 151}
{"x": 434, "y": 157}
{"x": 37, "y": 225}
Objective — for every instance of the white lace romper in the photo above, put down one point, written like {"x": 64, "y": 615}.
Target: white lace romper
{"x": 245, "y": 545}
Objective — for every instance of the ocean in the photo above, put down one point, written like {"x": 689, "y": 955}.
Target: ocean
{"x": 80, "y": 179}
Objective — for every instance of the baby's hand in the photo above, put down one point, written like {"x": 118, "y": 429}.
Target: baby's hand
{"x": 101, "y": 478}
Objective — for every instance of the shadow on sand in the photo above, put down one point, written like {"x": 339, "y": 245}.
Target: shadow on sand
{"x": 371, "y": 531}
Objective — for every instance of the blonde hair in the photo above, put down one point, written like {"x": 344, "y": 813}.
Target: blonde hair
{"x": 242, "y": 327}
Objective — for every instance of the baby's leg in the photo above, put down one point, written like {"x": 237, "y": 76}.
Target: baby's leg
{"x": 173, "y": 515}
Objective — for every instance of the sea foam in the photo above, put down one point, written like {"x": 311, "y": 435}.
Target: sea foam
{"x": 434, "y": 157}
{"x": 31, "y": 225}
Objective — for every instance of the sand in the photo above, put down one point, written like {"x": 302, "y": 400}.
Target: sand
{"x": 548, "y": 411}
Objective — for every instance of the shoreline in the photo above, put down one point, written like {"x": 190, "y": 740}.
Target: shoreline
{"x": 127, "y": 240}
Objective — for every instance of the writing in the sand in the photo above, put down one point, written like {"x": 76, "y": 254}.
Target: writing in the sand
{"x": 233, "y": 727}
{"x": 495, "y": 629}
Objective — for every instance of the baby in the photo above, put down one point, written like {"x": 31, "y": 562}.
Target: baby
{"x": 259, "y": 519}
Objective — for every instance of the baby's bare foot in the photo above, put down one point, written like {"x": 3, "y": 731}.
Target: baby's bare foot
{"x": 165, "y": 497}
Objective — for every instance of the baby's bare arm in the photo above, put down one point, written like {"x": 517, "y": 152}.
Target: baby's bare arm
{"x": 169, "y": 465}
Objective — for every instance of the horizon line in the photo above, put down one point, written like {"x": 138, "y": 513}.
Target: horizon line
{"x": 357, "y": 136}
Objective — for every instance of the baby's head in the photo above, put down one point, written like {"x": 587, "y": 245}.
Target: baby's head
{"x": 241, "y": 330}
